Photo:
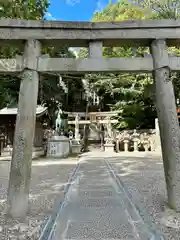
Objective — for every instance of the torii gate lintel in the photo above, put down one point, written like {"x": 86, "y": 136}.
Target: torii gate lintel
{"x": 157, "y": 33}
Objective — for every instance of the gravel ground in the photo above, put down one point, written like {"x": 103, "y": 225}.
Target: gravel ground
{"x": 47, "y": 184}
{"x": 144, "y": 178}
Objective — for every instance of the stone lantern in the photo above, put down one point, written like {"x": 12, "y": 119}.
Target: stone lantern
{"x": 126, "y": 141}
{"x": 135, "y": 138}
{"x": 109, "y": 145}
{"x": 146, "y": 142}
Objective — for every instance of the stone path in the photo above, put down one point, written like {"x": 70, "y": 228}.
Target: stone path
{"x": 96, "y": 206}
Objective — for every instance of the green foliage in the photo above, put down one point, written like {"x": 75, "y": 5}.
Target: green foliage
{"x": 122, "y": 10}
{"x": 23, "y": 9}
{"x": 130, "y": 94}
{"x": 30, "y": 9}
{"x": 50, "y": 90}
{"x": 162, "y": 9}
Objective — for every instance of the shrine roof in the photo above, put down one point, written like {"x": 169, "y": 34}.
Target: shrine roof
{"x": 40, "y": 110}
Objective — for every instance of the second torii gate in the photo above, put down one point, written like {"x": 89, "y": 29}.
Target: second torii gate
{"x": 99, "y": 117}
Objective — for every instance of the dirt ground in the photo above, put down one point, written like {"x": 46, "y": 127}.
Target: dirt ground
{"x": 49, "y": 178}
{"x": 144, "y": 179}
{"x": 142, "y": 176}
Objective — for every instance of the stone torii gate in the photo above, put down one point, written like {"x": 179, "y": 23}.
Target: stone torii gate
{"x": 33, "y": 34}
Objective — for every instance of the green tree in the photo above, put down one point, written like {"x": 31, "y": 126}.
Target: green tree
{"x": 131, "y": 94}
{"x": 29, "y": 9}
{"x": 166, "y": 9}
{"x": 50, "y": 89}
{"x": 122, "y": 10}
{"x": 23, "y": 9}
{"x": 162, "y": 9}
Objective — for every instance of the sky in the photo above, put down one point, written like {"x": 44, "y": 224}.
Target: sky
{"x": 74, "y": 10}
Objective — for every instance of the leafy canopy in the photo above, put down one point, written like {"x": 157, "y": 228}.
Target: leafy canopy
{"x": 50, "y": 89}
{"x": 130, "y": 94}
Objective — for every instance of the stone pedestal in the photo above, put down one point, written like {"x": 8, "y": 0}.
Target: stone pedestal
{"x": 75, "y": 146}
{"x": 77, "y": 137}
{"x": 135, "y": 142}
{"x": 135, "y": 139}
{"x": 146, "y": 145}
{"x": 126, "y": 142}
{"x": 117, "y": 146}
{"x": 6, "y": 152}
{"x": 109, "y": 147}
{"x": 38, "y": 152}
{"x": 58, "y": 147}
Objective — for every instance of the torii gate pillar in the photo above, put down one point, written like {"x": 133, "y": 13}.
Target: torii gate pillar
{"x": 168, "y": 122}
{"x": 20, "y": 174}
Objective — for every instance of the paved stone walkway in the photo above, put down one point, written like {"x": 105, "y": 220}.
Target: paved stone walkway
{"x": 96, "y": 206}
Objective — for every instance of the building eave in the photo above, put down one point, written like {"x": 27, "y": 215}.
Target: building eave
{"x": 40, "y": 110}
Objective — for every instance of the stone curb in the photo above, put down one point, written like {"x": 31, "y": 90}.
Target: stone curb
{"x": 48, "y": 228}
{"x": 146, "y": 228}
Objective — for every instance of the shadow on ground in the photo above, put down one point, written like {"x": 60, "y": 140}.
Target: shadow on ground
{"x": 144, "y": 179}
{"x": 49, "y": 178}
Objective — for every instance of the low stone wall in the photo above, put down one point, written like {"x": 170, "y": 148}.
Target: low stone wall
{"x": 137, "y": 140}
{"x": 37, "y": 152}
